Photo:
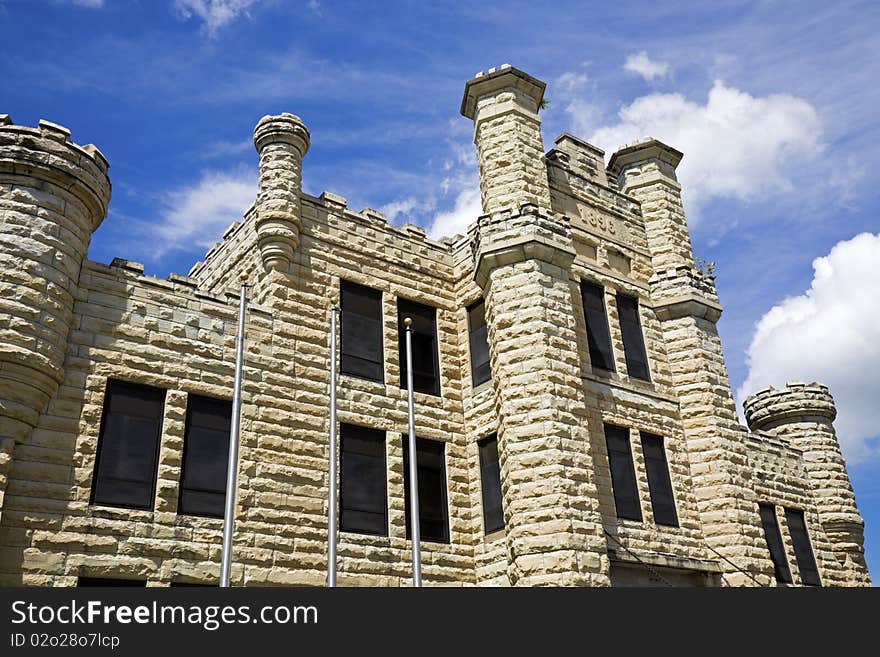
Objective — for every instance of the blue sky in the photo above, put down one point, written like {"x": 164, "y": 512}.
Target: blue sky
{"x": 773, "y": 103}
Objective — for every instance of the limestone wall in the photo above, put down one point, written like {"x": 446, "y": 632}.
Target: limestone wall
{"x": 550, "y": 223}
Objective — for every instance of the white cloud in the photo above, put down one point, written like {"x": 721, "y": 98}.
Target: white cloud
{"x": 736, "y": 145}
{"x": 830, "y": 334}
{"x": 405, "y": 207}
{"x": 571, "y": 83}
{"x": 643, "y": 65}
{"x": 213, "y": 13}
{"x": 464, "y": 212}
{"x": 226, "y": 148}
{"x": 198, "y": 214}
{"x": 89, "y": 4}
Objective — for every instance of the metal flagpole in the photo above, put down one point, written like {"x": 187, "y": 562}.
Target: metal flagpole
{"x": 331, "y": 504}
{"x": 415, "y": 532}
{"x": 232, "y": 465}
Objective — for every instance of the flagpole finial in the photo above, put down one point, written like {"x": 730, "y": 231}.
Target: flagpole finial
{"x": 243, "y": 277}
{"x": 407, "y": 322}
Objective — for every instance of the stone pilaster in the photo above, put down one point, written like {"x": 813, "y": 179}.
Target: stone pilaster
{"x": 53, "y": 195}
{"x": 504, "y": 106}
{"x": 805, "y": 415}
{"x": 282, "y": 141}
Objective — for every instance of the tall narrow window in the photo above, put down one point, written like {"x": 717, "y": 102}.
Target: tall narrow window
{"x": 633, "y": 340}
{"x": 623, "y": 474}
{"x": 426, "y": 363}
{"x": 490, "y": 479}
{"x": 431, "y": 469}
{"x": 803, "y": 551}
{"x": 479, "y": 339}
{"x": 659, "y": 484}
{"x": 361, "y": 339}
{"x": 774, "y": 543}
{"x": 598, "y": 335}
{"x": 363, "y": 497}
{"x": 128, "y": 447}
{"x": 205, "y": 457}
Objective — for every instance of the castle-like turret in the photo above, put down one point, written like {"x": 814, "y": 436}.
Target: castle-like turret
{"x": 804, "y": 414}
{"x": 687, "y": 306}
{"x": 53, "y": 195}
{"x": 282, "y": 141}
{"x": 503, "y": 105}
{"x": 523, "y": 253}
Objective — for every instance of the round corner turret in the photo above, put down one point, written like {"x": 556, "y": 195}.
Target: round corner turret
{"x": 796, "y": 402}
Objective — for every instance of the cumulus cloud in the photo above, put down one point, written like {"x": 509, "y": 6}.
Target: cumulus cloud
{"x": 643, "y": 65}
{"x": 736, "y": 145}
{"x": 830, "y": 334}
{"x": 403, "y": 208}
{"x": 464, "y": 212}
{"x": 198, "y": 214}
{"x": 214, "y": 14}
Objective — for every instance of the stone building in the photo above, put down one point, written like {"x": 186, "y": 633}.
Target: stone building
{"x": 575, "y": 417}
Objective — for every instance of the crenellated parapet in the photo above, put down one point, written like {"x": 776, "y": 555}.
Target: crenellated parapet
{"x": 282, "y": 141}
{"x": 531, "y": 233}
{"x": 769, "y": 408}
{"x": 804, "y": 414}
{"x": 684, "y": 291}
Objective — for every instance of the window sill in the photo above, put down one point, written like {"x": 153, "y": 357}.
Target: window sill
{"x": 483, "y": 387}
{"x": 495, "y": 536}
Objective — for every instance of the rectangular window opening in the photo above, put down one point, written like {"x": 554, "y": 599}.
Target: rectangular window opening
{"x": 479, "y": 343}
{"x": 774, "y": 543}
{"x": 623, "y": 474}
{"x": 361, "y": 336}
{"x": 633, "y": 338}
{"x": 363, "y": 490}
{"x": 598, "y": 333}
{"x": 425, "y": 358}
{"x": 128, "y": 446}
{"x": 659, "y": 483}
{"x": 431, "y": 470}
{"x": 803, "y": 551}
{"x": 205, "y": 457}
{"x": 490, "y": 479}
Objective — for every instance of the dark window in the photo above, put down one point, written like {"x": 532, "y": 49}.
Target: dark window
{"x": 128, "y": 447}
{"x": 361, "y": 332}
{"x": 363, "y": 490}
{"x": 479, "y": 338}
{"x": 659, "y": 484}
{"x": 205, "y": 457}
{"x": 598, "y": 335}
{"x": 426, "y": 364}
{"x": 106, "y": 581}
{"x": 490, "y": 478}
{"x": 774, "y": 543}
{"x": 803, "y": 552}
{"x": 633, "y": 340}
{"x": 623, "y": 474}
{"x": 431, "y": 468}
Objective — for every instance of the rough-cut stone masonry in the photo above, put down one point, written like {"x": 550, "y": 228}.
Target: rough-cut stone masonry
{"x": 68, "y": 325}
